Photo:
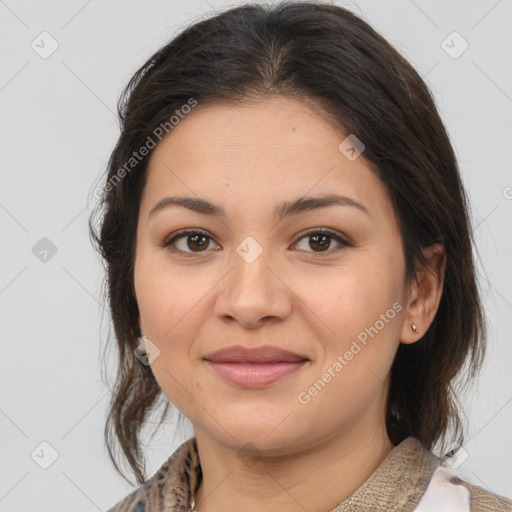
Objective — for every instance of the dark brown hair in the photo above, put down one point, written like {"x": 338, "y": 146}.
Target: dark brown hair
{"x": 320, "y": 52}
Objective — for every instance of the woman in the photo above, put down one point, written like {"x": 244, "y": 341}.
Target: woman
{"x": 289, "y": 261}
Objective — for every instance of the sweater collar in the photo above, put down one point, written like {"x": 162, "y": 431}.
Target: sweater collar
{"x": 396, "y": 485}
{"x": 398, "y": 482}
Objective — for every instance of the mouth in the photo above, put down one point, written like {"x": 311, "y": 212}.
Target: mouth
{"x": 256, "y": 367}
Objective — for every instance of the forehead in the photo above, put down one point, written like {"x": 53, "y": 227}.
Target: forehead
{"x": 261, "y": 151}
{"x": 283, "y": 125}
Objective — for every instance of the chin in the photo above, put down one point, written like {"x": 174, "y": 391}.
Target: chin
{"x": 270, "y": 434}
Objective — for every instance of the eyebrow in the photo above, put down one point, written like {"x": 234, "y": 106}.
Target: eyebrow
{"x": 281, "y": 211}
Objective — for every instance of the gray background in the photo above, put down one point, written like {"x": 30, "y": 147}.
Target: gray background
{"x": 57, "y": 129}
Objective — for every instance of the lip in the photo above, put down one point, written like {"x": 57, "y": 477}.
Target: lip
{"x": 266, "y": 354}
{"x": 255, "y": 367}
{"x": 251, "y": 375}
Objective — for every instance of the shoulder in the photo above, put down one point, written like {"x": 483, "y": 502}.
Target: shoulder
{"x": 135, "y": 502}
{"x": 430, "y": 486}
{"x": 485, "y": 501}
{"x": 169, "y": 488}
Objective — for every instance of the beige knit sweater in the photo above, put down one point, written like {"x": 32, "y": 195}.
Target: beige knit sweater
{"x": 397, "y": 485}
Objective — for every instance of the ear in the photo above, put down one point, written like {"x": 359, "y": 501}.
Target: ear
{"x": 425, "y": 295}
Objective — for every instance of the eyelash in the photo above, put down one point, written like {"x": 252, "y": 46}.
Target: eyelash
{"x": 167, "y": 243}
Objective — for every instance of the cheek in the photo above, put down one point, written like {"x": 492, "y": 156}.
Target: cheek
{"x": 170, "y": 307}
{"x": 358, "y": 314}
{"x": 364, "y": 315}
{"x": 348, "y": 302}
{"x": 166, "y": 297}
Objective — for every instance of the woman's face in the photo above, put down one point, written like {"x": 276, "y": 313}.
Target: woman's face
{"x": 262, "y": 273}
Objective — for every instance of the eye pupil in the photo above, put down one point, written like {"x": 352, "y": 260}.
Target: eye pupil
{"x": 323, "y": 238}
{"x": 195, "y": 238}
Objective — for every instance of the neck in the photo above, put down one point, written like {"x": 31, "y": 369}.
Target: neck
{"x": 315, "y": 479}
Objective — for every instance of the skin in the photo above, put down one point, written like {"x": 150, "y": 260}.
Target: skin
{"x": 302, "y": 297}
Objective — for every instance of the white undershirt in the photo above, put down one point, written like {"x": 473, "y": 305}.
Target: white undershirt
{"x": 442, "y": 495}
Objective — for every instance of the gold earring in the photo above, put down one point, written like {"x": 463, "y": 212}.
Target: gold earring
{"x": 413, "y": 327}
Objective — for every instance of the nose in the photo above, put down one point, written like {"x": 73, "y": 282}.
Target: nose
{"x": 253, "y": 292}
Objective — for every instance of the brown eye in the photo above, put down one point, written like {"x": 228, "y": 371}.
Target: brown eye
{"x": 320, "y": 241}
{"x": 188, "y": 242}
{"x": 197, "y": 242}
